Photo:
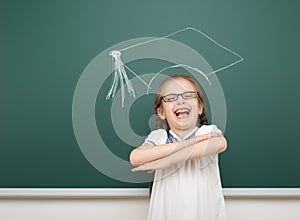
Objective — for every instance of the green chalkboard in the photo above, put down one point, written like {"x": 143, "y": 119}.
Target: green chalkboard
{"x": 48, "y": 47}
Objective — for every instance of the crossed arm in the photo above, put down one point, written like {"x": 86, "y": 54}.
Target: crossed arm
{"x": 150, "y": 158}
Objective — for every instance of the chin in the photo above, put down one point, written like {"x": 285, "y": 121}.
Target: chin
{"x": 186, "y": 126}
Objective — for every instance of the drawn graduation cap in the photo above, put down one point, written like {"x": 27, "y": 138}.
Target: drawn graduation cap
{"x": 119, "y": 68}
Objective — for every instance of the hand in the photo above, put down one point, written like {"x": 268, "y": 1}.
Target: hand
{"x": 153, "y": 165}
{"x": 206, "y": 136}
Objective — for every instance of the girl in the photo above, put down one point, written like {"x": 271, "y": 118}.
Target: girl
{"x": 184, "y": 157}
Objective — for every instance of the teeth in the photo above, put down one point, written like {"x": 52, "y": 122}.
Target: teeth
{"x": 182, "y": 111}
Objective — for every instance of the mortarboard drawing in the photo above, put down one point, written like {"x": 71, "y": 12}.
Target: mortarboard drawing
{"x": 119, "y": 68}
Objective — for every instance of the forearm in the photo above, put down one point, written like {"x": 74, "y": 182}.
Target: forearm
{"x": 197, "y": 150}
{"x": 148, "y": 153}
{"x": 200, "y": 149}
{"x": 207, "y": 147}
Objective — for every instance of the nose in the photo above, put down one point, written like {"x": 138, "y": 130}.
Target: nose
{"x": 180, "y": 100}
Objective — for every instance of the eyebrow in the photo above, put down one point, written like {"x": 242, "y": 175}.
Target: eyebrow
{"x": 179, "y": 92}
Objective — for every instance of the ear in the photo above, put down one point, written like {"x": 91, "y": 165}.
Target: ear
{"x": 200, "y": 109}
{"x": 160, "y": 112}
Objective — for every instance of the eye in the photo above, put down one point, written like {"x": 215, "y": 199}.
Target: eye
{"x": 189, "y": 95}
{"x": 170, "y": 97}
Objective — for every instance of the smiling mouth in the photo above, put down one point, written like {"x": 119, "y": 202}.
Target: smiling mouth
{"x": 182, "y": 113}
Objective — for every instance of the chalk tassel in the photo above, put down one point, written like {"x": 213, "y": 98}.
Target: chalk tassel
{"x": 119, "y": 75}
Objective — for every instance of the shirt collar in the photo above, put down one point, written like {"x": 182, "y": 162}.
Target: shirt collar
{"x": 187, "y": 136}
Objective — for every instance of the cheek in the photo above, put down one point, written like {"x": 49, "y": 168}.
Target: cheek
{"x": 168, "y": 109}
{"x": 198, "y": 108}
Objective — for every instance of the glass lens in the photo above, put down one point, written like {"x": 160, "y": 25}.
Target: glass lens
{"x": 189, "y": 95}
{"x": 170, "y": 97}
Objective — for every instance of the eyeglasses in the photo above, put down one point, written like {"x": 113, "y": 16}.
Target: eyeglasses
{"x": 174, "y": 97}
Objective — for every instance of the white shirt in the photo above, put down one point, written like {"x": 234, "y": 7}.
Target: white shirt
{"x": 191, "y": 190}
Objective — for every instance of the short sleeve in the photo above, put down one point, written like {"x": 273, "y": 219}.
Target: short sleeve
{"x": 156, "y": 137}
{"x": 208, "y": 129}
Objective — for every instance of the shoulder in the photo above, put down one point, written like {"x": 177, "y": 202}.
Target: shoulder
{"x": 208, "y": 129}
{"x": 157, "y": 137}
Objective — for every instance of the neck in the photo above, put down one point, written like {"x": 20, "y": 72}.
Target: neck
{"x": 182, "y": 133}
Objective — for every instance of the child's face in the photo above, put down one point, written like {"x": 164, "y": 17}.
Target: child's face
{"x": 181, "y": 114}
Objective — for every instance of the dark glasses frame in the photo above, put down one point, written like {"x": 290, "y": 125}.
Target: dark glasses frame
{"x": 185, "y": 95}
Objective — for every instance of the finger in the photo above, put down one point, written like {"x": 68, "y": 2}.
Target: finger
{"x": 137, "y": 169}
{"x": 204, "y": 137}
{"x": 134, "y": 170}
{"x": 216, "y": 134}
{"x": 140, "y": 168}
